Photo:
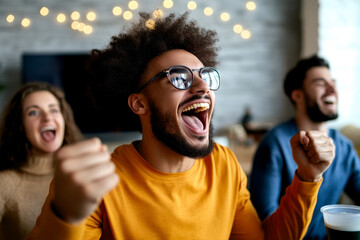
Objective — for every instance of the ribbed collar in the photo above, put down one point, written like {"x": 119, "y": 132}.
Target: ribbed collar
{"x": 39, "y": 165}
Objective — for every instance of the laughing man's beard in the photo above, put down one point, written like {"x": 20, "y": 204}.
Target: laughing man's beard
{"x": 160, "y": 124}
{"x": 316, "y": 115}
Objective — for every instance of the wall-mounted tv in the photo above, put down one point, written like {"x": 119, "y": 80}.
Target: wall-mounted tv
{"x": 67, "y": 71}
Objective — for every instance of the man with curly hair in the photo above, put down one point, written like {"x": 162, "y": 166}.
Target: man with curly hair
{"x": 175, "y": 183}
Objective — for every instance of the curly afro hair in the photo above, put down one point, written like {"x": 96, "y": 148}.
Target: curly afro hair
{"x": 118, "y": 68}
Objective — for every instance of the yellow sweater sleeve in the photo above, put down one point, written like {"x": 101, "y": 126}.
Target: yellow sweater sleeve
{"x": 290, "y": 221}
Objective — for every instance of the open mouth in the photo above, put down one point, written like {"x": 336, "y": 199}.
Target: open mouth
{"x": 329, "y": 100}
{"x": 48, "y": 133}
{"x": 195, "y": 116}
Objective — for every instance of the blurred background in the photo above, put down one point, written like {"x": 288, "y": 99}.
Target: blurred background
{"x": 259, "y": 41}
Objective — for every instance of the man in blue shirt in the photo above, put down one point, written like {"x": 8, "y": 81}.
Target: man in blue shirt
{"x": 312, "y": 90}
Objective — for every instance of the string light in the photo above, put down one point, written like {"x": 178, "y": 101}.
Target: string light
{"x": 44, "y": 11}
{"x": 191, "y": 5}
{"x": 133, "y": 5}
{"x": 75, "y": 15}
{"x": 225, "y": 16}
{"x": 208, "y": 11}
{"x": 88, "y": 29}
{"x": 10, "y": 18}
{"x": 81, "y": 26}
{"x": 158, "y": 13}
{"x": 61, "y": 18}
{"x": 75, "y": 25}
{"x": 168, "y": 3}
{"x": 117, "y": 11}
{"x": 245, "y": 34}
{"x": 251, "y": 6}
{"x": 25, "y": 22}
{"x": 91, "y": 16}
{"x": 237, "y": 28}
{"x": 127, "y": 15}
{"x": 150, "y": 24}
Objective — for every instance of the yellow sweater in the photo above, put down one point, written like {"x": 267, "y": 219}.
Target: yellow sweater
{"x": 209, "y": 201}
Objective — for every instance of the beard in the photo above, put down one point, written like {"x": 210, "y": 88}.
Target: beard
{"x": 170, "y": 135}
{"x": 315, "y": 113}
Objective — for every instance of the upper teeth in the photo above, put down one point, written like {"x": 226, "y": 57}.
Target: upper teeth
{"x": 330, "y": 99}
{"x": 202, "y": 106}
{"x": 48, "y": 128}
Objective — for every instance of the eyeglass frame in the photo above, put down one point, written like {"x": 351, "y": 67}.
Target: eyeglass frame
{"x": 166, "y": 71}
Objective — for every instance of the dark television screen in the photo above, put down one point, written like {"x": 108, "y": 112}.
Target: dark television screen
{"x": 67, "y": 71}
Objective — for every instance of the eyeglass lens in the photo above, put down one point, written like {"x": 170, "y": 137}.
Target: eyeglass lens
{"x": 182, "y": 78}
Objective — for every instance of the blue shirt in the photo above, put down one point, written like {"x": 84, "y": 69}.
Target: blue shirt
{"x": 274, "y": 168}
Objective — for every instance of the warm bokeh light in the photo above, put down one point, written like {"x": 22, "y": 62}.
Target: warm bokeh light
{"x": 81, "y": 26}
{"x": 225, "y": 16}
{"x": 251, "y": 6}
{"x": 245, "y": 34}
{"x": 237, "y": 28}
{"x": 191, "y": 5}
{"x": 10, "y": 18}
{"x": 168, "y": 3}
{"x": 61, "y": 18}
{"x": 127, "y": 15}
{"x": 75, "y": 15}
{"x": 133, "y": 5}
{"x": 158, "y": 13}
{"x": 88, "y": 29}
{"x": 91, "y": 16}
{"x": 150, "y": 24}
{"x": 75, "y": 25}
{"x": 208, "y": 11}
{"x": 25, "y": 22}
{"x": 117, "y": 11}
{"x": 44, "y": 11}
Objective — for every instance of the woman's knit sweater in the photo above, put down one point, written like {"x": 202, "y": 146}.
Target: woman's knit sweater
{"x": 22, "y": 194}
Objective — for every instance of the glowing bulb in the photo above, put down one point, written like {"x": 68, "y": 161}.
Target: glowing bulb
{"x": 88, "y": 29}
{"x": 150, "y": 24}
{"x": 117, "y": 11}
{"x": 245, "y": 34}
{"x": 133, "y": 5}
{"x": 81, "y": 27}
{"x": 44, "y": 11}
{"x": 10, "y": 18}
{"x": 225, "y": 16}
{"x": 75, "y": 25}
{"x": 127, "y": 15}
{"x": 168, "y": 3}
{"x": 61, "y": 18}
{"x": 191, "y": 5}
{"x": 25, "y": 22}
{"x": 237, "y": 28}
{"x": 208, "y": 11}
{"x": 75, "y": 15}
{"x": 158, "y": 13}
{"x": 91, "y": 16}
{"x": 251, "y": 6}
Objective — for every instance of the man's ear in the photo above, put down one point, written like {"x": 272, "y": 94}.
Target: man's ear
{"x": 297, "y": 95}
{"x": 137, "y": 103}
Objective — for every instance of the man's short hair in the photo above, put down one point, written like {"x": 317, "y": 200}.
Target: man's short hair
{"x": 295, "y": 77}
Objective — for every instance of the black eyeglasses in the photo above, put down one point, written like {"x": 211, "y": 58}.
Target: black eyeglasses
{"x": 182, "y": 77}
